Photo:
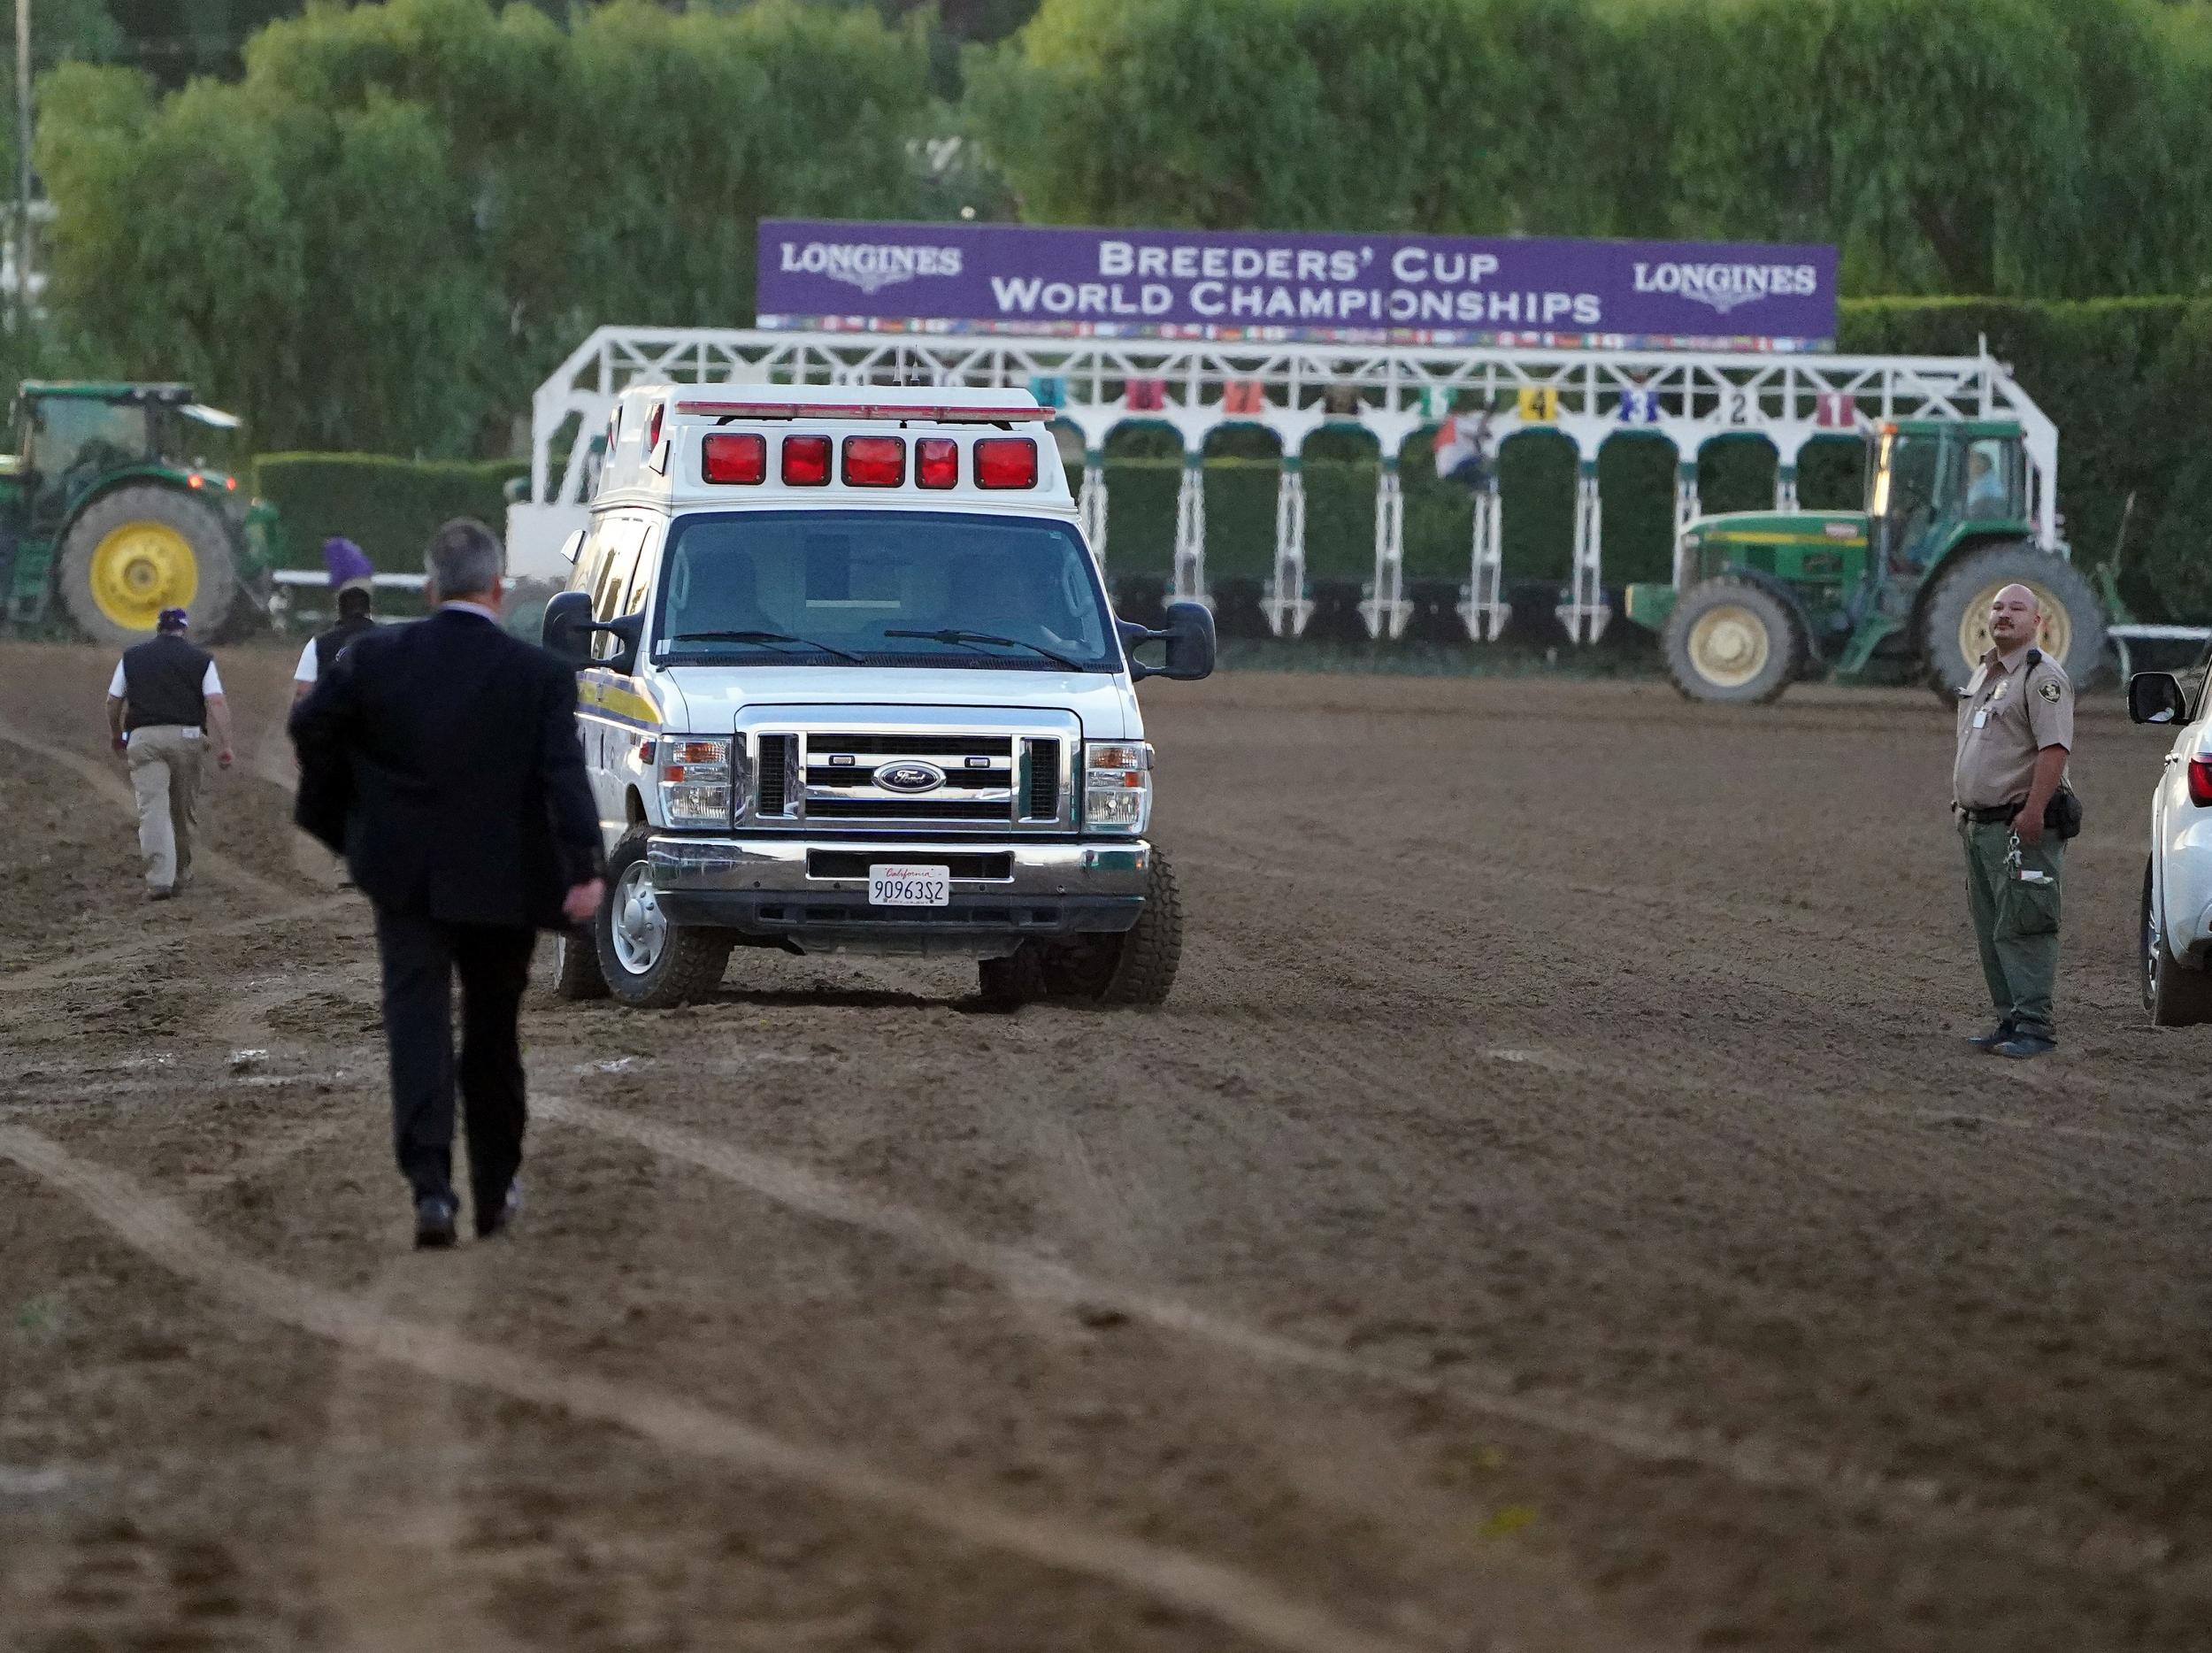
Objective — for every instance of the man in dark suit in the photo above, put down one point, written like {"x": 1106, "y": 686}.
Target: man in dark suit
{"x": 442, "y": 760}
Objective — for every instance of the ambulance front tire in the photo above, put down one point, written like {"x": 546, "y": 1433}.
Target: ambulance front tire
{"x": 647, "y": 962}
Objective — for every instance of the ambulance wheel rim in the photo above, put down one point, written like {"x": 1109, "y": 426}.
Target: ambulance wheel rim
{"x": 141, "y": 568}
{"x": 637, "y": 927}
{"x": 2054, "y": 633}
{"x": 1729, "y": 645}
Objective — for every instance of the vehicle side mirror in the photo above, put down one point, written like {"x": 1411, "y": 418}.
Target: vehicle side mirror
{"x": 1190, "y": 642}
{"x": 625, "y": 631}
{"x": 1189, "y": 637}
{"x": 2157, "y": 698}
{"x": 567, "y": 626}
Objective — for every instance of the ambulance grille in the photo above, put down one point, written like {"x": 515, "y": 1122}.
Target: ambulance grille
{"x": 962, "y": 780}
{"x": 1044, "y": 780}
{"x": 775, "y": 766}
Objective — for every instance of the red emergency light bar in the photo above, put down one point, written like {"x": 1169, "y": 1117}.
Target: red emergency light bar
{"x": 874, "y": 461}
{"x": 734, "y": 456}
{"x": 937, "y": 462}
{"x": 863, "y": 411}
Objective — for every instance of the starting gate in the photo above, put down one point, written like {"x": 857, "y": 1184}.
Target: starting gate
{"x": 1391, "y": 391}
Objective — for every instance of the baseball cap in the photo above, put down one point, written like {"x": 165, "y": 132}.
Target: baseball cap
{"x": 173, "y": 620}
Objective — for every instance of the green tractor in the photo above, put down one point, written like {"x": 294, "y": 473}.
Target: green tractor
{"x": 102, "y": 511}
{"x": 1763, "y": 598}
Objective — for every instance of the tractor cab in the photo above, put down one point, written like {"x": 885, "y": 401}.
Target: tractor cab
{"x": 121, "y": 500}
{"x": 67, "y": 435}
{"x": 1929, "y": 481}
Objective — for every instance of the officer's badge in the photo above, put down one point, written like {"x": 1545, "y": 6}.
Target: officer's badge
{"x": 2049, "y": 689}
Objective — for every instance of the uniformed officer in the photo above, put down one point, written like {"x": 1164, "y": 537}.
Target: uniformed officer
{"x": 164, "y": 696}
{"x": 353, "y": 585}
{"x": 2016, "y": 727}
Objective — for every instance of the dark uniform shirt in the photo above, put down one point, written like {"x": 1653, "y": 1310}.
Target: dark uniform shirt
{"x": 2010, "y": 711}
{"x": 166, "y": 681}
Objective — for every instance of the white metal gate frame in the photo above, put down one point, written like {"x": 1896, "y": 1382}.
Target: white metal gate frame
{"x": 1391, "y": 391}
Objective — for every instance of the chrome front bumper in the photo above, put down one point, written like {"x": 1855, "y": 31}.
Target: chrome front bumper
{"x": 764, "y": 888}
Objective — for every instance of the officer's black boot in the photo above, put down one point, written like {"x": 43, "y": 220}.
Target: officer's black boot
{"x": 1997, "y": 1035}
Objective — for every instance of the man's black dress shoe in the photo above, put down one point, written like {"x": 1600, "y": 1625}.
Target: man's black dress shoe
{"x": 434, "y": 1222}
{"x": 495, "y": 1220}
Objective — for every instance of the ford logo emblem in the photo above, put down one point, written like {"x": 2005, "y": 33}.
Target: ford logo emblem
{"x": 910, "y": 777}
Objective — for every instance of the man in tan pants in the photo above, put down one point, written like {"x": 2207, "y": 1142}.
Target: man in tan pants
{"x": 163, "y": 701}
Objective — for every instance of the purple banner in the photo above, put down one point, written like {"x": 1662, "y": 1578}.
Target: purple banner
{"x": 1262, "y": 286}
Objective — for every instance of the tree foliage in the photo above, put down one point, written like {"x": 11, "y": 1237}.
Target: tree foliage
{"x": 2014, "y": 147}
{"x": 403, "y": 216}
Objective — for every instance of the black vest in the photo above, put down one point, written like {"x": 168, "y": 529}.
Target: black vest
{"x": 161, "y": 683}
{"x": 330, "y": 644}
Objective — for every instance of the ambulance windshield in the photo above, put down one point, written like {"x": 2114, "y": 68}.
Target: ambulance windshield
{"x": 902, "y": 589}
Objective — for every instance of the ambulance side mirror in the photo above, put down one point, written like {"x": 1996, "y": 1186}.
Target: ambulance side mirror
{"x": 567, "y": 628}
{"x": 1189, "y": 637}
{"x": 622, "y": 659}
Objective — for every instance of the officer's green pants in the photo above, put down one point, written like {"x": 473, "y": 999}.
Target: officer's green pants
{"x": 2015, "y": 924}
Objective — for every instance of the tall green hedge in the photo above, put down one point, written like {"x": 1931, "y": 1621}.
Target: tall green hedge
{"x": 388, "y": 506}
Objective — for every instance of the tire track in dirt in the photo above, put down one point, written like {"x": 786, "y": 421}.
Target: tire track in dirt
{"x": 61, "y": 970}
{"x": 1742, "y": 1458}
{"x": 1346, "y": 1464}
{"x": 153, "y": 1225}
{"x": 214, "y": 863}
{"x": 385, "y": 1552}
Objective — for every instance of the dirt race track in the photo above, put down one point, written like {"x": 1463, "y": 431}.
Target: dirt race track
{"x": 1556, "y": 1212}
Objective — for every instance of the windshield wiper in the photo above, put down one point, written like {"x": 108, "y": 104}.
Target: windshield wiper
{"x": 762, "y": 637}
{"x": 951, "y": 634}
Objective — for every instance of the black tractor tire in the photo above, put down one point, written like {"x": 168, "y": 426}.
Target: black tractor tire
{"x": 1954, "y": 615}
{"x": 215, "y": 597}
{"x": 689, "y": 962}
{"x": 1008, "y": 983}
{"x": 2173, "y": 994}
{"x": 1732, "y": 641}
{"x": 576, "y": 972}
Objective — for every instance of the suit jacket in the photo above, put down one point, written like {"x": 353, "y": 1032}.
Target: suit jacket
{"x": 442, "y": 760}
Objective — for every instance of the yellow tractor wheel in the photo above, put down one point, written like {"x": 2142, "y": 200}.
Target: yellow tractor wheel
{"x": 141, "y": 568}
{"x": 1954, "y": 623}
{"x": 1731, "y": 639}
{"x": 142, "y": 548}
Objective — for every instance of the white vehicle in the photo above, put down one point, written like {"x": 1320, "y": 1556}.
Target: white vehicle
{"x": 2175, "y": 950}
{"x": 849, "y": 680}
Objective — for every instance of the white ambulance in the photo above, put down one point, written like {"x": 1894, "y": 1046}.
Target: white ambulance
{"x": 849, "y": 680}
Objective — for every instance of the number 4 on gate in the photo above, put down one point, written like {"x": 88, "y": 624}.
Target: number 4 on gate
{"x": 1539, "y": 404}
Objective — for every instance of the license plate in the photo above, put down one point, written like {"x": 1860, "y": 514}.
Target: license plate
{"x": 890, "y": 886}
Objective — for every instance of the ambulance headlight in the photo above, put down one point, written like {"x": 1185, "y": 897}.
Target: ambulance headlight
{"x": 694, "y": 781}
{"x": 1117, "y": 784}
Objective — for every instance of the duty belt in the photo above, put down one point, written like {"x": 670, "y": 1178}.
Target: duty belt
{"x": 1983, "y": 818}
